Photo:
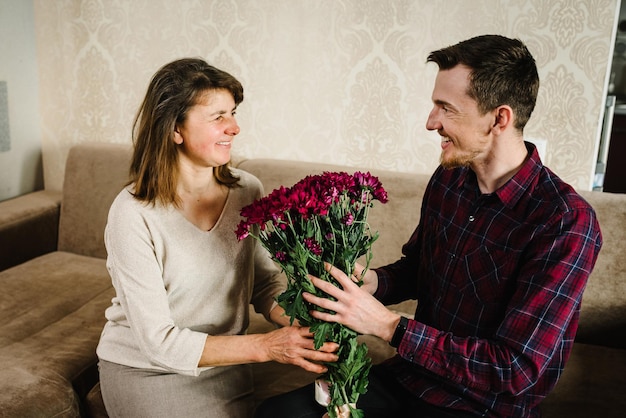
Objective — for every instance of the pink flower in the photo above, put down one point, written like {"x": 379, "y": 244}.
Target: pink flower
{"x": 242, "y": 231}
{"x": 313, "y": 246}
{"x": 280, "y": 256}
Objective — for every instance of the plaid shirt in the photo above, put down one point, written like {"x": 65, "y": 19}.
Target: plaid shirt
{"x": 499, "y": 279}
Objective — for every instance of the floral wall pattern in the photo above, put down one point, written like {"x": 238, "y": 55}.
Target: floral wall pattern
{"x": 339, "y": 81}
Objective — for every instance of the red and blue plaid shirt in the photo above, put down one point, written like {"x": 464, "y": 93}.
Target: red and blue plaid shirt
{"x": 499, "y": 280}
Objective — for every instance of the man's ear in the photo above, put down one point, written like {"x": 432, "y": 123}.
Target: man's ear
{"x": 503, "y": 119}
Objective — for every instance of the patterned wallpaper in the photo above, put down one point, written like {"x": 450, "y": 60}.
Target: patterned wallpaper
{"x": 339, "y": 81}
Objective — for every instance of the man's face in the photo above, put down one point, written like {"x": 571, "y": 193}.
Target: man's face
{"x": 465, "y": 133}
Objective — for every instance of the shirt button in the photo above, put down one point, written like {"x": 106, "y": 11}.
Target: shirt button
{"x": 471, "y": 218}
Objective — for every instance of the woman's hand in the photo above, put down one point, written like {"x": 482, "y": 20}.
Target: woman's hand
{"x": 354, "y": 306}
{"x": 294, "y": 345}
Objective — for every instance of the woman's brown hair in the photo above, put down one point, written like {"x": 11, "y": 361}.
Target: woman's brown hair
{"x": 172, "y": 91}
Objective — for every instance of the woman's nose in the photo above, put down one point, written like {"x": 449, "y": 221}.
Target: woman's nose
{"x": 233, "y": 129}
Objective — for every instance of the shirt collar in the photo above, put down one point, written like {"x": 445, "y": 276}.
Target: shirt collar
{"x": 511, "y": 192}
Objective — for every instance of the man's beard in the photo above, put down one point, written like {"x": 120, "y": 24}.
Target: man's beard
{"x": 457, "y": 161}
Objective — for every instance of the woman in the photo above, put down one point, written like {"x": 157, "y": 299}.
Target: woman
{"x": 175, "y": 342}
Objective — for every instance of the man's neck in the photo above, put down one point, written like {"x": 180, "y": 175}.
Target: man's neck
{"x": 506, "y": 159}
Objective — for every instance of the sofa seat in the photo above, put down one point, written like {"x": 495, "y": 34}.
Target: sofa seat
{"x": 52, "y": 312}
{"x": 25, "y": 394}
{"x": 592, "y": 384}
{"x": 29, "y": 301}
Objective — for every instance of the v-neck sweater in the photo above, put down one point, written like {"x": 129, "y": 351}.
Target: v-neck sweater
{"x": 175, "y": 284}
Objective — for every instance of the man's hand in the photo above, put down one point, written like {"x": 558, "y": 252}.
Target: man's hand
{"x": 370, "y": 278}
{"x": 280, "y": 318}
{"x": 354, "y": 307}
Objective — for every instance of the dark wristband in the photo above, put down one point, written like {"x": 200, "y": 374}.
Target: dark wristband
{"x": 399, "y": 333}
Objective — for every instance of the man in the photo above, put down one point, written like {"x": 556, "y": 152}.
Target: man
{"x": 498, "y": 262}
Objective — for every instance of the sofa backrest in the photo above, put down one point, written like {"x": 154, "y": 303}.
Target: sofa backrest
{"x": 94, "y": 174}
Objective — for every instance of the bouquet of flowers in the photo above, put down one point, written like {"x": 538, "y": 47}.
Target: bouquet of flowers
{"x": 322, "y": 218}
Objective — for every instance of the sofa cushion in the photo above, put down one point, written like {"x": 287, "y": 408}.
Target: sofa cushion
{"x": 94, "y": 404}
{"x": 24, "y": 394}
{"x": 603, "y": 314}
{"x": 592, "y": 385}
{"x": 51, "y": 317}
{"x": 34, "y": 214}
{"x": 94, "y": 174}
{"x": 42, "y": 294}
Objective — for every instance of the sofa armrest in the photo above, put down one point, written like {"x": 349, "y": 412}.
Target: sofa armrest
{"x": 29, "y": 226}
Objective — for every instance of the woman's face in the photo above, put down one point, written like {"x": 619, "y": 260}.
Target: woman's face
{"x": 205, "y": 137}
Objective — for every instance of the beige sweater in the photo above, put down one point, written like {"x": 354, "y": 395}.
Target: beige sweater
{"x": 175, "y": 283}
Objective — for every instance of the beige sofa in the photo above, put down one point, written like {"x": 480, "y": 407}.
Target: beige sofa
{"x": 55, "y": 288}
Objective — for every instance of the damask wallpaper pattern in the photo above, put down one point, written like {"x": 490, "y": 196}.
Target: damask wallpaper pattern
{"x": 339, "y": 81}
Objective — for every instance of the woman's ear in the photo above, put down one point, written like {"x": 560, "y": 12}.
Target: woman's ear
{"x": 178, "y": 138}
